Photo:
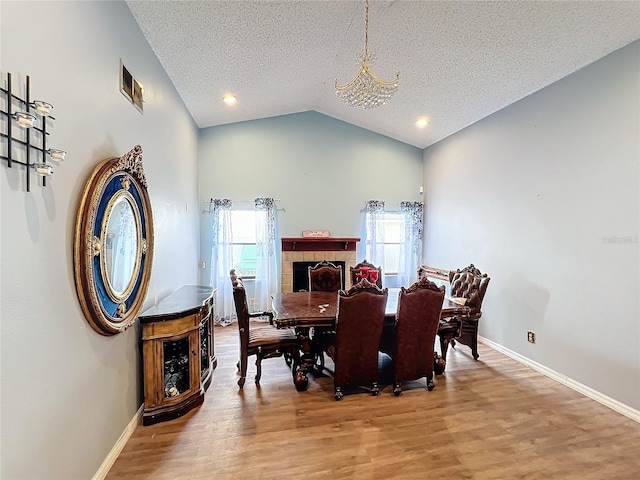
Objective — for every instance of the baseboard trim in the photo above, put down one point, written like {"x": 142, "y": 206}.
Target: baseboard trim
{"x": 101, "y": 474}
{"x": 613, "y": 404}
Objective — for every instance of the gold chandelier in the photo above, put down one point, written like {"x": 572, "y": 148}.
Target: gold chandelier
{"x": 366, "y": 90}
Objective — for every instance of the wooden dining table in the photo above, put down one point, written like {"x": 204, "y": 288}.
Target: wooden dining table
{"x": 306, "y": 310}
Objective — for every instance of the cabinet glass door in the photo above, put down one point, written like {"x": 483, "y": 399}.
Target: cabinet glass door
{"x": 176, "y": 367}
{"x": 204, "y": 347}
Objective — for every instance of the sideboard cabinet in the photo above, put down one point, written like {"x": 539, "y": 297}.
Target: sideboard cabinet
{"x": 178, "y": 352}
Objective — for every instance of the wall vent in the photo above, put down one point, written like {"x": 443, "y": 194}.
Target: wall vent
{"x": 130, "y": 87}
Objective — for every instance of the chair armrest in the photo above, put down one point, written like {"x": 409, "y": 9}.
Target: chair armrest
{"x": 263, "y": 314}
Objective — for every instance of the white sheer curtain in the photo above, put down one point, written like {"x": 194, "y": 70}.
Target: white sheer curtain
{"x": 411, "y": 245}
{"x": 268, "y": 255}
{"x": 222, "y": 261}
{"x": 373, "y": 231}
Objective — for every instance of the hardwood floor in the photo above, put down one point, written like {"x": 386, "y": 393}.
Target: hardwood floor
{"x": 491, "y": 419}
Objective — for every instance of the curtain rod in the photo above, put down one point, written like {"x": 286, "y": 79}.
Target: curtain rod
{"x": 210, "y": 201}
{"x": 395, "y": 206}
{"x": 398, "y": 202}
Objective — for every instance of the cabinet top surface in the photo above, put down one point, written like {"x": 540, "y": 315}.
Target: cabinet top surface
{"x": 187, "y": 300}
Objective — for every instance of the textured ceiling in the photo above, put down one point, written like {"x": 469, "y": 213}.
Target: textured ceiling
{"x": 458, "y": 61}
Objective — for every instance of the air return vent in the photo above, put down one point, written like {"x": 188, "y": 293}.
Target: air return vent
{"x": 130, "y": 87}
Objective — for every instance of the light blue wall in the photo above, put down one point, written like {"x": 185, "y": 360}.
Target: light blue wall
{"x": 68, "y": 393}
{"x": 322, "y": 170}
{"x": 544, "y": 196}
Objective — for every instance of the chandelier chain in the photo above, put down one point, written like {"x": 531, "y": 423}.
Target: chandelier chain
{"x": 366, "y": 28}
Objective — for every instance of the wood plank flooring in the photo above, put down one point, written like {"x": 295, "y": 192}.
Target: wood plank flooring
{"x": 490, "y": 419}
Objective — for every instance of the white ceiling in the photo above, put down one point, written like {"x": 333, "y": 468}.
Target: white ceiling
{"x": 458, "y": 61}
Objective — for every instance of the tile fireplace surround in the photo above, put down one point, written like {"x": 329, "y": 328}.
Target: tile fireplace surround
{"x": 299, "y": 249}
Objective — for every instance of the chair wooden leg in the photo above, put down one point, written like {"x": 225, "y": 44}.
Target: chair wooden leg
{"x": 430, "y": 384}
{"x": 469, "y": 336}
{"x": 396, "y": 389}
{"x": 439, "y": 364}
{"x": 375, "y": 390}
{"x": 474, "y": 348}
{"x": 258, "y": 368}
{"x": 317, "y": 350}
{"x": 243, "y": 371}
{"x": 444, "y": 345}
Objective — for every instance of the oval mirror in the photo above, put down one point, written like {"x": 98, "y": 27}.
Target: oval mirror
{"x": 113, "y": 246}
{"x": 121, "y": 238}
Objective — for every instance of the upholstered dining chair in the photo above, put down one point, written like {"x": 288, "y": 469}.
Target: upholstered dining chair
{"x": 417, "y": 320}
{"x": 325, "y": 277}
{"x": 261, "y": 340}
{"x": 470, "y": 284}
{"x": 357, "y": 338}
{"x": 357, "y": 270}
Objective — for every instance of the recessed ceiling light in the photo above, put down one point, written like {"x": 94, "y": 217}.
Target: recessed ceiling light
{"x": 422, "y": 122}
{"x": 229, "y": 99}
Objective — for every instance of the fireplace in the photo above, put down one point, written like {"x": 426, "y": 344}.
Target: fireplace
{"x": 309, "y": 251}
{"x": 301, "y": 274}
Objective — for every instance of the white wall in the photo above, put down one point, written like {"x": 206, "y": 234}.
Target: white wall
{"x": 544, "y": 197}
{"x": 322, "y": 170}
{"x": 68, "y": 392}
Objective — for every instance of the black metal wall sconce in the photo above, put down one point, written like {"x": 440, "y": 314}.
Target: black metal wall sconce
{"x": 24, "y": 118}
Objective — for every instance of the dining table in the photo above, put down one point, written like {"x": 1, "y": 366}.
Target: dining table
{"x": 304, "y": 311}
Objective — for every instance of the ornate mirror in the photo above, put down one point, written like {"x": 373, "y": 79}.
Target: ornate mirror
{"x": 113, "y": 248}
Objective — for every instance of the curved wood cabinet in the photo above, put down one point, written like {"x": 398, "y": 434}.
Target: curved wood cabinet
{"x": 178, "y": 352}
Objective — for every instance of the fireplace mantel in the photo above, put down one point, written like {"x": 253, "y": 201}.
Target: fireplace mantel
{"x": 319, "y": 244}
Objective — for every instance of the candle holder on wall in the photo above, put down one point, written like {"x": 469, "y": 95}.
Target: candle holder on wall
{"x": 24, "y": 133}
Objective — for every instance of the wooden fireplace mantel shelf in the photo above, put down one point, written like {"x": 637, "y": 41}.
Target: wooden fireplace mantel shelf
{"x": 319, "y": 244}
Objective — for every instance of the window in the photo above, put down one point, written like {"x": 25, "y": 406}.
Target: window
{"x": 393, "y": 239}
{"x": 243, "y": 241}
{"x": 390, "y": 230}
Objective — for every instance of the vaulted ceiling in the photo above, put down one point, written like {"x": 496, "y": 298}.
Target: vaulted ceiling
{"x": 458, "y": 61}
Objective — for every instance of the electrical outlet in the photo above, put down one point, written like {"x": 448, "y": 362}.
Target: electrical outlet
{"x": 252, "y": 301}
{"x": 531, "y": 337}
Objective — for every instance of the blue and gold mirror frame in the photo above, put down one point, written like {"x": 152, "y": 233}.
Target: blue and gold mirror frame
{"x": 113, "y": 246}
